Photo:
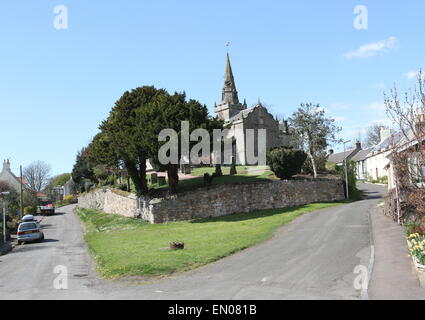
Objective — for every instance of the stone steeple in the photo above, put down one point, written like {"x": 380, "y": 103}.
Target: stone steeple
{"x": 230, "y": 105}
{"x": 229, "y": 94}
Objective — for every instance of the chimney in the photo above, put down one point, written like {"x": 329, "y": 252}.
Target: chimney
{"x": 6, "y": 165}
{"x": 385, "y": 133}
{"x": 420, "y": 124}
{"x": 358, "y": 145}
{"x": 331, "y": 151}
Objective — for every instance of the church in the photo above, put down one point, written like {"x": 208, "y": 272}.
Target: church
{"x": 238, "y": 118}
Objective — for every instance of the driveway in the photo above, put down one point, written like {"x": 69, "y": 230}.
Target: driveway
{"x": 312, "y": 258}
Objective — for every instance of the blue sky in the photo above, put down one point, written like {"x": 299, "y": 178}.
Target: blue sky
{"x": 56, "y": 86}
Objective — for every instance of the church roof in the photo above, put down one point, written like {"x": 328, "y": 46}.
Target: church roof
{"x": 242, "y": 114}
{"x": 245, "y": 113}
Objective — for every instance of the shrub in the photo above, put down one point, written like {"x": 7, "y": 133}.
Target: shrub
{"x": 29, "y": 210}
{"x": 69, "y": 198}
{"x": 285, "y": 163}
{"x": 321, "y": 162}
{"x": 331, "y": 167}
{"x": 383, "y": 180}
{"x": 354, "y": 193}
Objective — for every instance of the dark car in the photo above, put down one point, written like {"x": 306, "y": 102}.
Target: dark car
{"x": 46, "y": 207}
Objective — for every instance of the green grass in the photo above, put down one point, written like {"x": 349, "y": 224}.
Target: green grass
{"x": 131, "y": 247}
{"x": 244, "y": 174}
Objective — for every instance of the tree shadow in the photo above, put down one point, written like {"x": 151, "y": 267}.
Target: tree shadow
{"x": 369, "y": 195}
{"x": 235, "y": 217}
{"x": 45, "y": 226}
{"x": 50, "y": 240}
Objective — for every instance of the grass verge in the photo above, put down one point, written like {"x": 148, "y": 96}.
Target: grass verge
{"x": 131, "y": 247}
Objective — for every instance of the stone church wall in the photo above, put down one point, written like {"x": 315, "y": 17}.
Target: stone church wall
{"x": 218, "y": 200}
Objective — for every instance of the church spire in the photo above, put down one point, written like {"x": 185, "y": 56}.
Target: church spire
{"x": 230, "y": 94}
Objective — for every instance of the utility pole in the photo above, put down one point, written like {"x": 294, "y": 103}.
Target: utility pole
{"x": 4, "y": 214}
{"x": 4, "y": 224}
{"x": 346, "y": 175}
{"x": 22, "y": 194}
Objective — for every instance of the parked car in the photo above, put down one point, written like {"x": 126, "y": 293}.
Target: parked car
{"x": 29, "y": 231}
{"x": 46, "y": 207}
{"x": 28, "y": 218}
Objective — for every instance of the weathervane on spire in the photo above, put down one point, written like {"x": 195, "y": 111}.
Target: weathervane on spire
{"x": 227, "y": 46}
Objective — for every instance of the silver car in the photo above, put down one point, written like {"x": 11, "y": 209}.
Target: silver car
{"x": 29, "y": 231}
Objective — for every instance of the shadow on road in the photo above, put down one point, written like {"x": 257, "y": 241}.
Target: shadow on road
{"x": 50, "y": 240}
{"x": 372, "y": 194}
{"x": 247, "y": 216}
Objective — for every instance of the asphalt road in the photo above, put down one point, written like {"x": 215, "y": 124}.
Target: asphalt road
{"x": 312, "y": 258}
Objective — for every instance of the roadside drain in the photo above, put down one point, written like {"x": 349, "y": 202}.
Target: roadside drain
{"x": 81, "y": 275}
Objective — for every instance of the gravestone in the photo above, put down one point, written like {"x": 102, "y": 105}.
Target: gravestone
{"x": 162, "y": 181}
{"x": 233, "y": 167}
{"x": 154, "y": 178}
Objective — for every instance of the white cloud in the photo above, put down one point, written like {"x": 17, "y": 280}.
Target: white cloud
{"x": 411, "y": 75}
{"x": 373, "y": 49}
{"x": 340, "y": 106}
{"x": 375, "y": 106}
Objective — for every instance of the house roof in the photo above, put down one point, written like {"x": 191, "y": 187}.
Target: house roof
{"x": 340, "y": 156}
{"x": 362, "y": 154}
{"x": 392, "y": 140}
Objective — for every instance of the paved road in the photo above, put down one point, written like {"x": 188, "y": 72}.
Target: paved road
{"x": 311, "y": 258}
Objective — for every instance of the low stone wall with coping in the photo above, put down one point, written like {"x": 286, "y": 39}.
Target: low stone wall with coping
{"x": 216, "y": 200}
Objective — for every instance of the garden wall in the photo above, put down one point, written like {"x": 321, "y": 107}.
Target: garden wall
{"x": 110, "y": 202}
{"x": 216, "y": 200}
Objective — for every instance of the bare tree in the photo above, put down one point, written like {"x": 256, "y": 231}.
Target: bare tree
{"x": 408, "y": 154}
{"x": 37, "y": 175}
{"x": 315, "y": 131}
{"x": 409, "y": 116}
{"x": 4, "y": 186}
{"x": 373, "y": 135}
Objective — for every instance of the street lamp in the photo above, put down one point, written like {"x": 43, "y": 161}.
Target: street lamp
{"x": 345, "y": 165}
{"x": 4, "y": 215}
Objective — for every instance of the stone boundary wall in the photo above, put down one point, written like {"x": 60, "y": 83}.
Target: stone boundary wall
{"x": 110, "y": 202}
{"x": 217, "y": 200}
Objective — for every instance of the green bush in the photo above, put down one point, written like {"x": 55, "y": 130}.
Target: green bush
{"x": 383, "y": 180}
{"x": 331, "y": 167}
{"x": 321, "y": 161}
{"x": 29, "y": 210}
{"x": 285, "y": 163}
{"x": 354, "y": 193}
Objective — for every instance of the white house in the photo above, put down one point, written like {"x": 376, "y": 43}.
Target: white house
{"x": 360, "y": 160}
{"x": 7, "y": 176}
{"x": 377, "y": 159}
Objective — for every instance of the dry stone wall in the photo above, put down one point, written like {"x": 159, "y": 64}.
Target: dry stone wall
{"x": 217, "y": 200}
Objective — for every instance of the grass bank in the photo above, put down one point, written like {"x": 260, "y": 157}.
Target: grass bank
{"x": 130, "y": 247}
